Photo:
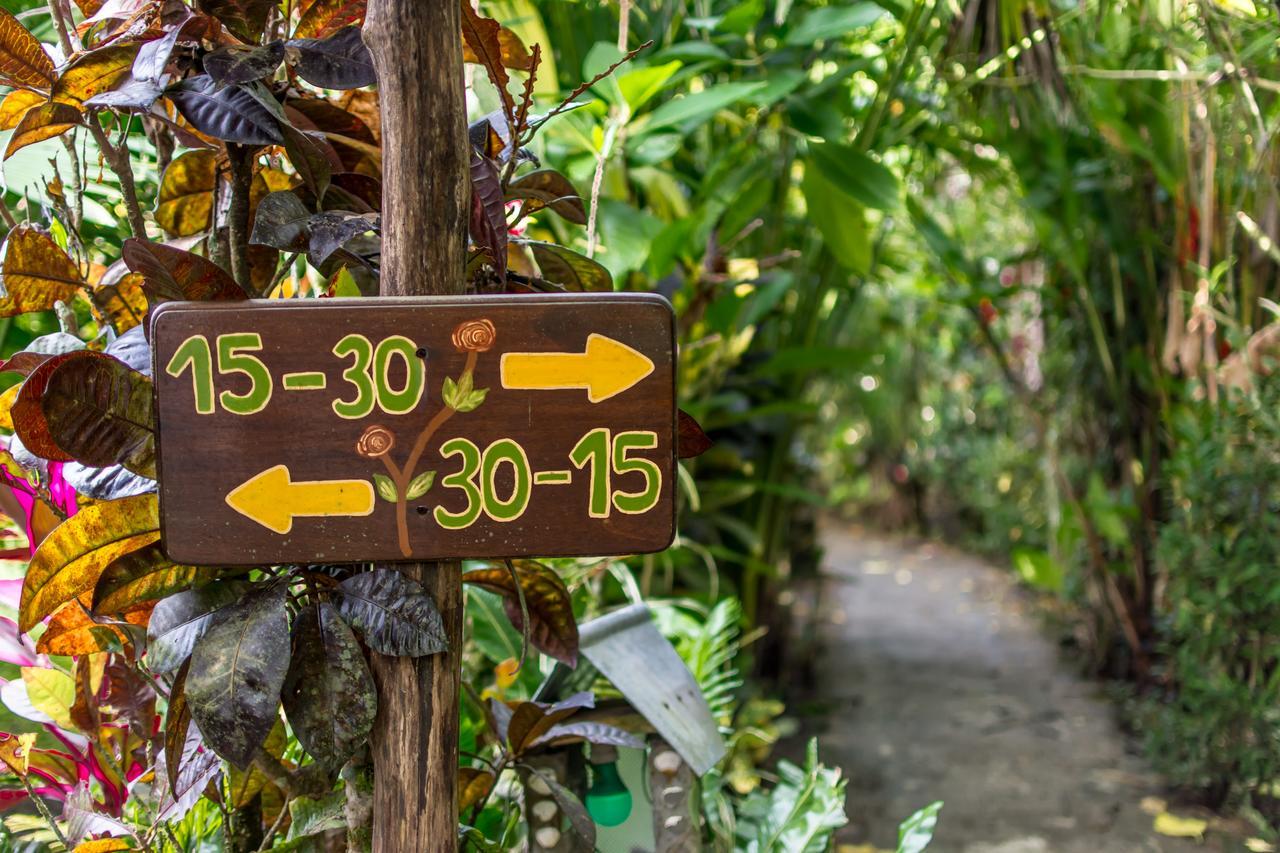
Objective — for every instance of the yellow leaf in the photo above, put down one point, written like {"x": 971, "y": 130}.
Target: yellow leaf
{"x": 40, "y": 123}
{"x": 474, "y": 785}
{"x": 104, "y": 845}
{"x": 325, "y": 17}
{"x": 72, "y": 632}
{"x": 6, "y": 403}
{"x": 52, "y": 692}
{"x": 15, "y": 106}
{"x": 1174, "y": 826}
{"x": 514, "y": 53}
{"x": 70, "y": 559}
{"x": 23, "y": 62}
{"x": 36, "y": 273}
{"x": 185, "y": 204}
{"x": 123, "y": 304}
{"x": 15, "y": 752}
{"x": 94, "y": 73}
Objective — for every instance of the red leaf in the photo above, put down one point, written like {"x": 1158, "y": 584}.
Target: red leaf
{"x": 552, "y": 628}
{"x": 484, "y": 37}
{"x": 691, "y": 441}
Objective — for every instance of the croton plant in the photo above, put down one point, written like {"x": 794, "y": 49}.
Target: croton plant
{"x": 145, "y": 686}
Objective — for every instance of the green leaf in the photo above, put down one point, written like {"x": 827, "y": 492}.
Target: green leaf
{"x": 840, "y": 219}
{"x": 311, "y": 816}
{"x": 472, "y": 401}
{"x": 855, "y": 174}
{"x": 832, "y": 21}
{"x": 329, "y": 696}
{"x": 420, "y": 485}
{"x": 800, "y": 814}
{"x": 386, "y": 489}
{"x": 449, "y": 393}
{"x": 915, "y": 833}
{"x": 395, "y": 614}
{"x": 100, "y": 412}
{"x": 694, "y": 109}
{"x": 237, "y": 671}
{"x": 180, "y": 620}
{"x": 640, "y": 85}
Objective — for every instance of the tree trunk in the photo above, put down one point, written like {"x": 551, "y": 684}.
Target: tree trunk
{"x": 417, "y": 50}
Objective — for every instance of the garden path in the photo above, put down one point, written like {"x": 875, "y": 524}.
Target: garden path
{"x": 936, "y": 681}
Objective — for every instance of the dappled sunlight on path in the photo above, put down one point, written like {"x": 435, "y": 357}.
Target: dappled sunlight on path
{"x": 936, "y": 682}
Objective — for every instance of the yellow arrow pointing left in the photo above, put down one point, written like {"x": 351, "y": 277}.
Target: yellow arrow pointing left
{"x": 273, "y": 500}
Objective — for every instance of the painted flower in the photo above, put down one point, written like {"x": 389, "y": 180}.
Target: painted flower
{"x": 376, "y": 441}
{"x": 474, "y": 336}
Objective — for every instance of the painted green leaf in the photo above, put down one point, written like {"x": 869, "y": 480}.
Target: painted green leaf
{"x": 72, "y": 557}
{"x": 472, "y": 401}
{"x": 237, "y": 671}
{"x": 420, "y": 485}
{"x": 180, "y": 620}
{"x": 395, "y": 615}
{"x": 855, "y": 174}
{"x": 386, "y": 489}
{"x": 329, "y": 695}
{"x": 145, "y": 575}
{"x": 99, "y": 411}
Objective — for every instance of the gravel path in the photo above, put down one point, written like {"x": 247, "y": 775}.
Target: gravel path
{"x": 936, "y": 682}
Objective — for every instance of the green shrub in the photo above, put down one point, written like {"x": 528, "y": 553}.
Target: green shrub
{"x": 1218, "y": 727}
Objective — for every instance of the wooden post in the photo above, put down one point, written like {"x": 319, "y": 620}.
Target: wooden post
{"x": 417, "y": 50}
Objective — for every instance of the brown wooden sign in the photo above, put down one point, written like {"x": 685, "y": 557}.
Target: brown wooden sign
{"x": 346, "y": 430}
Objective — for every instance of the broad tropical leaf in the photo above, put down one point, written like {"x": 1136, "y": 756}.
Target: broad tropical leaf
{"x": 234, "y": 63}
{"x": 15, "y": 106}
{"x": 172, "y": 274}
{"x": 531, "y": 720}
{"x": 23, "y": 62}
{"x": 246, "y": 19}
{"x": 177, "y": 723}
{"x": 27, "y": 412}
{"x": 329, "y": 695}
{"x": 340, "y": 61}
{"x": 37, "y": 273}
{"x": 395, "y": 614}
{"x": 854, "y": 173}
{"x": 73, "y": 630}
{"x": 180, "y": 620}
{"x": 123, "y": 303}
{"x": 94, "y": 73}
{"x": 40, "y": 123}
{"x": 514, "y": 53}
{"x": 71, "y": 558}
{"x": 549, "y": 188}
{"x": 283, "y": 222}
{"x": 228, "y": 113}
{"x": 484, "y": 38}
{"x": 99, "y": 411}
{"x": 333, "y": 230}
{"x": 552, "y": 627}
{"x": 325, "y": 17}
{"x": 144, "y": 575}
{"x": 567, "y": 267}
{"x": 237, "y": 671}
{"x": 185, "y": 204}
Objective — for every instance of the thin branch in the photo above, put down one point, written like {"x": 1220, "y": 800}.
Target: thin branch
{"x": 582, "y": 87}
{"x": 118, "y": 160}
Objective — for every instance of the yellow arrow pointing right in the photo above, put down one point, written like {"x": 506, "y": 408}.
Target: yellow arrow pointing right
{"x": 273, "y": 500}
{"x": 605, "y": 369}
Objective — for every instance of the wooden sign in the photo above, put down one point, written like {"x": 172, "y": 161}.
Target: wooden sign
{"x": 346, "y": 430}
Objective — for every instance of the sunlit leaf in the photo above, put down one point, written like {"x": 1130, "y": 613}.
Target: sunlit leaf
{"x": 72, "y": 631}
{"x": 340, "y": 61}
{"x": 105, "y": 845}
{"x": 691, "y": 110}
{"x": 27, "y": 412}
{"x": 94, "y": 73}
{"x": 549, "y": 188}
{"x": 123, "y": 304}
{"x": 40, "y": 123}
{"x": 237, "y": 671}
{"x": 15, "y": 106}
{"x": 329, "y": 695}
{"x": 70, "y": 559}
{"x": 144, "y": 575}
{"x": 15, "y": 752}
{"x": 52, "y": 692}
{"x": 568, "y": 268}
{"x": 173, "y": 274}
{"x": 228, "y": 113}
{"x": 484, "y": 37}
{"x": 552, "y": 628}
{"x": 181, "y": 619}
{"x": 325, "y": 17}
{"x": 474, "y": 785}
{"x": 394, "y": 614}
{"x": 23, "y": 62}
{"x": 99, "y": 411}
{"x": 37, "y": 273}
{"x": 185, "y": 204}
